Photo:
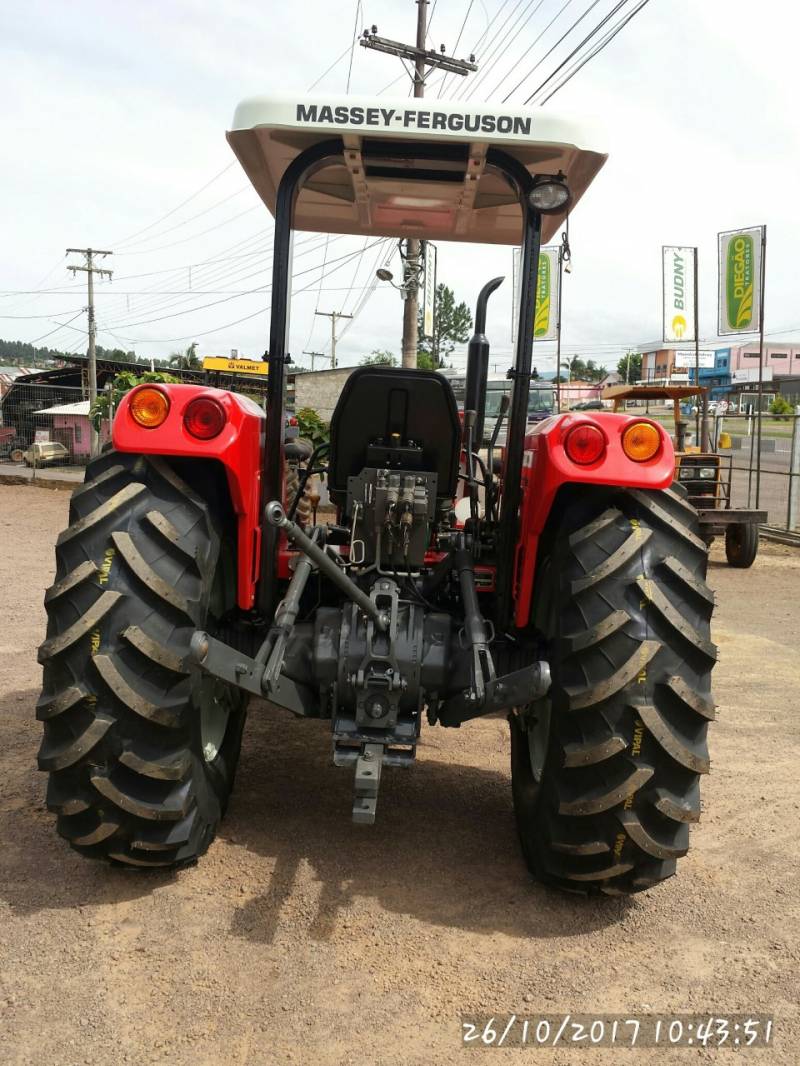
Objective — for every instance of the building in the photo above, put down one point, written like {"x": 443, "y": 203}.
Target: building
{"x": 733, "y": 373}
{"x": 69, "y": 424}
{"x": 8, "y": 374}
{"x": 317, "y": 389}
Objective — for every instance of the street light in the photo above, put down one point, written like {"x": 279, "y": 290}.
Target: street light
{"x": 382, "y": 274}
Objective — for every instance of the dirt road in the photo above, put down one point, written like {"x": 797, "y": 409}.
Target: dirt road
{"x": 303, "y": 938}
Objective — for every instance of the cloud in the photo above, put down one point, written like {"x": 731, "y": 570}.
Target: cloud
{"x": 116, "y": 113}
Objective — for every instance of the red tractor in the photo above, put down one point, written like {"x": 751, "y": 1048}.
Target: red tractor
{"x": 559, "y": 581}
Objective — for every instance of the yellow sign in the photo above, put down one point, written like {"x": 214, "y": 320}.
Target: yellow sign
{"x": 235, "y": 366}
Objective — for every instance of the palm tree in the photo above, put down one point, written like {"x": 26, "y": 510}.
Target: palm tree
{"x": 188, "y": 360}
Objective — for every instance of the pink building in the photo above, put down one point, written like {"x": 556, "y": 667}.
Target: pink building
{"x": 69, "y": 424}
{"x": 784, "y": 358}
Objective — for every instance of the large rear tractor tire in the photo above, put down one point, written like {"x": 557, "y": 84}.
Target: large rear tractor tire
{"x": 141, "y": 748}
{"x": 606, "y": 769}
{"x": 741, "y": 544}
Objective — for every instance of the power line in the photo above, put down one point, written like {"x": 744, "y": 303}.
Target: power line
{"x": 370, "y": 289}
{"x": 162, "y": 218}
{"x": 239, "y": 274}
{"x": 533, "y": 44}
{"x": 353, "y": 45}
{"x": 227, "y": 325}
{"x": 609, "y": 37}
{"x": 355, "y": 272}
{"x": 335, "y": 63}
{"x": 490, "y": 62}
{"x": 488, "y": 26}
{"x": 485, "y": 37}
{"x": 430, "y": 20}
{"x": 396, "y": 80}
{"x": 550, "y": 51}
{"x": 50, "y": 315}
{"x": 37, "y": 286}
{"x": 250, "y": 292}
{"x": 205, "y": 211}
{"x": 59, "y": 327}
{"x": 610, "y": 14}
{"x": 194, "y": 236}
{"x": 316, "y": 306}
{"x": 183, "y": 203}
{"x": 66, "y": 289}
{"x": 455, "y": 48}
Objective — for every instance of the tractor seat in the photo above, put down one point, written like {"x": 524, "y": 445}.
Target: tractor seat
{"x": 413, "y": 410}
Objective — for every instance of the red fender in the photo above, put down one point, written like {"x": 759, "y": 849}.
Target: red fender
{"x": 546, "y": 467}
{"x": 239, "y": 447}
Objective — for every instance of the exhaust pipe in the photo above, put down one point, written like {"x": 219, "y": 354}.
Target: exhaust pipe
{"x": 478, "y": 362}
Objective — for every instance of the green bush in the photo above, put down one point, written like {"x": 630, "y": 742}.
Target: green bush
{"x": 780, "y": 406}
{"x": 312, "y": 427}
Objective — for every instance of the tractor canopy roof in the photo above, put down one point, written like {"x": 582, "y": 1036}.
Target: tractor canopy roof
{"x": 394, "y": 178}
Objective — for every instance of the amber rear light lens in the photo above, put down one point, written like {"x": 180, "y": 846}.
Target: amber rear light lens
{"x": 149, "y": 407}
{"x": 584, "y": 444}
{"x": 204, "y": 418}
{"x": 641, "y": 441}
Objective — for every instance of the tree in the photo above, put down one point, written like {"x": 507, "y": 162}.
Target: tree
{"x": 379, "y": 357}
{"x": 189, "y": 360}
{"x": 580, "y": 370}
{"x": 119, "y": 355}
{"x": 629, "y": 367}
{"x": 452, "y": 323}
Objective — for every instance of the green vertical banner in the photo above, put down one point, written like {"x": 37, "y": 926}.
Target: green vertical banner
{"x": 739, "y": 300}
{"x": 544, "y": 321}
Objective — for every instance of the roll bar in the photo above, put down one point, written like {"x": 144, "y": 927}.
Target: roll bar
{"x": 294, "y": 178}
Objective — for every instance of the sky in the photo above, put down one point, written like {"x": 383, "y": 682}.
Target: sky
{"x": 113, "y": 124}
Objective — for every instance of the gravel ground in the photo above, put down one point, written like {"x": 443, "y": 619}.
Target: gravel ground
{"x": 303, "y": 938}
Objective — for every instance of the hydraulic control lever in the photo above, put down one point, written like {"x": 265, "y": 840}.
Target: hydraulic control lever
{"x": 487, "y": 691}
{"x": 475, "y": 627}
{"x": 276, "y": 516}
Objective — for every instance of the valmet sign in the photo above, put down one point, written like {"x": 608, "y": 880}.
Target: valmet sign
{"x": 235, "y": 366}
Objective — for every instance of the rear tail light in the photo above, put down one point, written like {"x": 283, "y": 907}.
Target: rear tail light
{"x": 641, "y": 441}
{"x": 584, "y": 444}
{"x": 204, "y": 418}
{"x": 149, "y": 407}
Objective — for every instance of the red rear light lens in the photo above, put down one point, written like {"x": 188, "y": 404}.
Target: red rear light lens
{"x": 204, "y": 418}
{"x": 584, "y": 444}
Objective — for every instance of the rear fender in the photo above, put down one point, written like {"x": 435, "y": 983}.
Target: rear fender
{"x": 239, "y": 448}
{"x": 546, "y": 469}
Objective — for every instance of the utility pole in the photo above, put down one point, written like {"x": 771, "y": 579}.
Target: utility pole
{"x": 90, "y": 270}
{"x": 333, "y": 316}
{"x": 422, "y": 58}
{"x": 315, "y": 355}
{"x": 411, "y": 263}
